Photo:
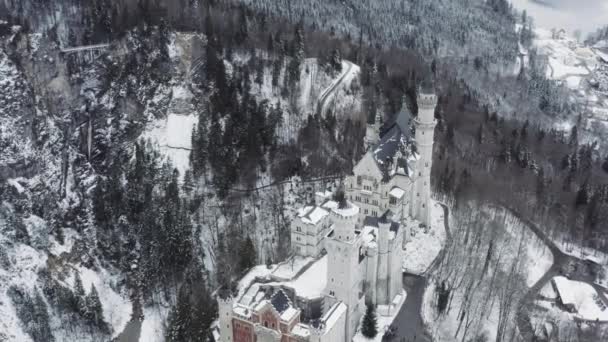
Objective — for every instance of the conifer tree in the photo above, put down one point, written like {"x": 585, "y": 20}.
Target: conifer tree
{"x": 369, "y": 327}
{"x": 79, "y": 294}
{"x": 248, "y": 255}
{"x": 605, "y": 165}
{"x": 93, "y": 307}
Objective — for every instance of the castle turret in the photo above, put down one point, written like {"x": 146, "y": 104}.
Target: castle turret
{"x": 372, "y": 134}
{"x": 425, "y": 129}
{"x": 343, "y": 281}
{"x": 225, "y": 318}
{"x": 382, "y": 284}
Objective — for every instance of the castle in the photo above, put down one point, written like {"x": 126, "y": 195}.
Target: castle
{"x": 351, "y": 246}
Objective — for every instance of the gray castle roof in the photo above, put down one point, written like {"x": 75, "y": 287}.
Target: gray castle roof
{"x": 392, "y": 134}
{"x": 280, "y": 301}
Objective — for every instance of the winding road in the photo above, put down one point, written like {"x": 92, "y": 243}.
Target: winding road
{"x": 409, "y": 322}
{"x": 329, "y": 93}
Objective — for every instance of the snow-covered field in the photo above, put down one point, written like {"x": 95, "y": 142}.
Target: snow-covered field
{"x": 423, "y": 245}
{"x": 153, "y": 325}
{"x": 173, "y": 134}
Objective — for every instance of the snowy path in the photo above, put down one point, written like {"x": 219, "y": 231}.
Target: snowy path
{"x": 329, "y": 93}
{"x": 409, "y": 321}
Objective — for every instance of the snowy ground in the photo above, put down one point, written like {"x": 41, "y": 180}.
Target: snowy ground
{"x": 172, "y": 134}
{"x": 383, "y": 321}
{"x": 517, "y": 260}
{"x": 153, "y": 326}
{"x": 423, "y": 245}
{"x": 538, "y": 258}
{"x": 116, "y": 306}
{"x": 577, "y": 66}
{"x": 289, "y": 268}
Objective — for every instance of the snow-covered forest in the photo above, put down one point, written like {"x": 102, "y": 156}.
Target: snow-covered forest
{"x": 138, "y": 178}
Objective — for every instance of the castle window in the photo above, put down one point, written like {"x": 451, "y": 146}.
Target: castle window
{"x": 266, "y": 324}
{"x": 423, "y": 205}
{"x": 332, "y": 293}
{"x": 427, "y": 164}
{"x": 392, "y": 200}
{"x": 419, "y": 174}
{"x": 359, "y": 180}
{"x": 418, "y": 194}
{"x": 365, "y": 211}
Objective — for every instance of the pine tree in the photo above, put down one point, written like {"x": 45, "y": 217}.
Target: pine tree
{"x": 369, "y": 327}
{"x": 582, "y": 196}
{"x": 79, "y": 294}
{"x": 605, "y": 165}
{"x": 179, "y": 319}
{"x": 248, "y": 257}
{"x": 93, "y": 308}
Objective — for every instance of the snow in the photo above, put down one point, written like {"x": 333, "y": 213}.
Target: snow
{"x": 69, "y": 237}
{"x": 259, "y": 271}
{"x": 561, "y": 68}
{"x": 333, "y": 315}
{"x": 116, "y": 307}
{"x": 21, "y": 271}
{"x": 288, "y": 269}
{"x": 384, "y": 321}
{"x": 548, "y": 292}
{"x": 312, "y": 215}
{"x": 301, "y": 330}
{"x": 15, "y": 184}
{"x": 289, "y": 314}
{"x": 349, "y": 211}
{"x": 582, "y": 296}
{"x": 313, "y": 281}
{"x": 397, "y": 192}
{"x": 423, "y": 245}
{"x": 173, "y": 135}
{"x": 573, "y": 81}
{"x": 152, "y": 328}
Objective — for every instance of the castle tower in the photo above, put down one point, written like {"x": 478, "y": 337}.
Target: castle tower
{"x": 425, "y": 130}
{"x": 372, "y": 134}
{"x": 342, "y": 263}
{"x": 382, "y": 283}
{"x": 224, "y": 307}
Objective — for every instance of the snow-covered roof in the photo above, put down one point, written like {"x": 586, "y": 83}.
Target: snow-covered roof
{"x": 301, "y": 330}
{"x": 312, "y": 214}
{"x": 242, "y": 310}
{"x": 566, "y": 290}
{"x": 583, "y": 297}
{"x": 289, "y": 314}
{"x": 313, "y": 281}
{"x": 330, "y": 204}
{"x": 397, "y": 192}
{"x": 332, "y": 316}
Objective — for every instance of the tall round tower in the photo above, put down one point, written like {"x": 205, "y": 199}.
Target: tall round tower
{"x": 224, "y": 306}
{"x": 425, "y": 131}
